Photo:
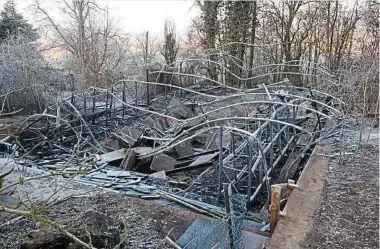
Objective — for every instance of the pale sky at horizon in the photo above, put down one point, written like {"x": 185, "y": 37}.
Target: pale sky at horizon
{"x": 133, "y": 16}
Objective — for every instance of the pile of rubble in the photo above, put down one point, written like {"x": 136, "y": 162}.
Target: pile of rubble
{"x": 175, "y": 133}
{"x": 183, "y": 147}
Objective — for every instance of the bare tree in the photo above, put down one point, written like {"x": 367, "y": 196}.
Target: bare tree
{"x": 344, "y": 31}
{"x": 371, "y": 37}
{"x": 146, "y": 47}
{"x": 294, "y": 28}
{"x": 252, "y": 36}
{"x": 90, "y": 36}
{"x": 25, "y": 73}
{"x": 293, "y": 38}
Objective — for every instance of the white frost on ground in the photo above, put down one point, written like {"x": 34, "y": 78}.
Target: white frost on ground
{"x": 49, "y": 188}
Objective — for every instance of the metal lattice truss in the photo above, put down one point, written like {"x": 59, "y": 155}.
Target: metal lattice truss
{"x": 253, "y": 129}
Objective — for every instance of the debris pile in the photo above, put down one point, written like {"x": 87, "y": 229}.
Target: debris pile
{"x": 187, "y": 147}
{"x": 202, "y": 126}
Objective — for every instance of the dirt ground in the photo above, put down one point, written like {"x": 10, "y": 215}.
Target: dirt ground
{"x": 348, "y": 216}
{"x": 145, "y": 223}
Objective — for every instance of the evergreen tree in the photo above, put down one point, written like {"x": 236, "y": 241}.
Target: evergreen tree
{"x": 13, "y": 24}
{"x": 170, "y": 47}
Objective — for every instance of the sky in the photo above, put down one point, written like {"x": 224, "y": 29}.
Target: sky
{"x": 137, "y": 16}
{"x": 132, "y": 16}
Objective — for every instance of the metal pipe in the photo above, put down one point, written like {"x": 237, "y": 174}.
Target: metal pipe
{"x": 270, "y": 170}
{"x": 249, "y": 163}
{"x": 220, "y": 168}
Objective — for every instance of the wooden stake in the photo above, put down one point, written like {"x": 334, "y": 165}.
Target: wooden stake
{"x": 274, "y": 208}
{"x": 289, "y": 188}
{"x": 147, "y": 87}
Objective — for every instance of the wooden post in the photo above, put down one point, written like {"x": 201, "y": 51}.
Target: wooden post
{"x": 274, "y": 208}
{"x": 147, "y": 87}
{"x": 289, "y": 188}
{"x": 171, "y": 79}
{"x": 146, "y": 47}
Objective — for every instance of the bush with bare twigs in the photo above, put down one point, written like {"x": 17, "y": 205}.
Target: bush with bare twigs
{"x": 24, "y": 73}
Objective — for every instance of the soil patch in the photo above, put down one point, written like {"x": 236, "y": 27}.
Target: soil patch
{"x": 348, "y": 214}
{"x": 145, "y": 223}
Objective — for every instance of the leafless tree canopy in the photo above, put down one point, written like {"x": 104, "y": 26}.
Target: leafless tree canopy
{"x": 250, "y": 94}
{"x": 91, "y": 37}
{"x": 293, "y": 36}
{"x": 25, "y": 76}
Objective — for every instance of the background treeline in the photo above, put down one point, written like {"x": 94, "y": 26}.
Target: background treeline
{"x": 237, "y": 43}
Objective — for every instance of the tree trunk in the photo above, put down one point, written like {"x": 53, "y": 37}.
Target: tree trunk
{"x": 253, "y": 37}
{"x": 210, "y": 10}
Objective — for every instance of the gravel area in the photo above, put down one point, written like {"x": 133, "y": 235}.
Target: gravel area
{"x": 349, "y": 212}
{"x": 48, "y": 188}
